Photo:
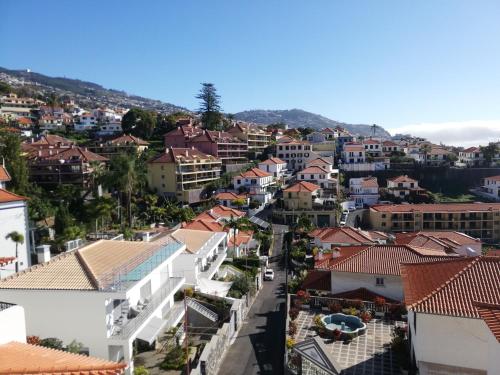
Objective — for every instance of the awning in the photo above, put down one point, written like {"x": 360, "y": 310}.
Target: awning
{"x": 150, "y": 332}
{"x": 214, "y": 287}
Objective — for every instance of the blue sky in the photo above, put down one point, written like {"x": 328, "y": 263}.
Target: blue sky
{"x": 394, "y": 63}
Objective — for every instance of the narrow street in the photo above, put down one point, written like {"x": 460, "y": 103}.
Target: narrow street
{"x": 259, "y": 346}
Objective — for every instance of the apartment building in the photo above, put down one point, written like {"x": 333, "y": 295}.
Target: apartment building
{"x": 105, "y": 295}
{"x": 223, "y": 145}
{"x": 491, "y": 187}
{"x": 183, "y": 173}
{"x": 295, "y": 153}
{"x": 86, "y": 121}
{"x": 50, "y": 122}
{"x": 180, "y": 136}
{"x": 257, "y": 182}
{"x": 71, "y": 165}
{"x": 257, "y": 138}
{"x": 354, "y": 153}
{"x": 125, "y": 143}
{"x": 479, "y": 220}
{"x": 364, "y": 191}
{"x": 12, "y": 106}
{"x": 343, "y": 137}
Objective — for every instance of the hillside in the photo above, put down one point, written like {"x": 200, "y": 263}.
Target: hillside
{"x": 295, "y": 118}
{"x": 84, "y": 93}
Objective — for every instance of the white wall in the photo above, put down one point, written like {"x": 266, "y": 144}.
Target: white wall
{"x": 345, "y": 281}
{"x": 14, "y": 217}
{"x": 493, "y": 353}
{"x": 452, "y": 341}
{"x": 12, "y": 325}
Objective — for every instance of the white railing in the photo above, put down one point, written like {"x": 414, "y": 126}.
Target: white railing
{"x": 206, "y": 312}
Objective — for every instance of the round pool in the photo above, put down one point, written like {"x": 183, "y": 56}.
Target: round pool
{"x": 344, "y": 323}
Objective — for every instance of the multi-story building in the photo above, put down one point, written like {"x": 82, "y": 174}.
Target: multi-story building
{"x": 183, "y": 173}
{"x": 257, "y": 138}
{"x": 353, "y": 153}
{"x": 223, "y": 145}
{"x": 403, "y": 187}
{"x": 180, "y": 136}
{"x": 256, "y": 182}
{"x": 12, "y": 107}
{"x": 373, "y": 147}
{"x": 109, "y": 128}
{"x": 274, "y": 166}
{"x": 479, "y": 220}
{"x": 122, "y": 144}
{"x": 112, "y": 294}
{"x": 364, "y": 191}
{"x": 50, "y": 122}
{"x": 453, "y": 315}
{"x": 470, "y": 157}
{"x": 295, "y": 153}
{"x": 491, "y": 187}
{"x": 389, "y": 147}
{"x": 14, "y": 218}
{"x": 318, "y": 175}
{"x": 343, "y": 137}
{"x": 86, "y": 121}
{"x": 71, "y": 165}
{"x": 46, "y": 141}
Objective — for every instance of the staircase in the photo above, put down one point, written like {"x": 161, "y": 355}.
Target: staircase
{"x": 124, "y": 308}
{"x": 198, "y": 307}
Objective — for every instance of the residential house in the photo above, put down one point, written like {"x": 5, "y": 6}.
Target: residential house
{"x": 229, "y": 199}
{"x": 295, "y": 153}
{"x": 256, "y": 137}
{"x": 324, "y": 163}
{"x": 403, "y": 187}
{"x": 331, "y": 237}
{"x": 323, "y": 142}
{"x": 4, "y": 177}
{"x": 470, "y": 157}
{"x": 305, "y": 198}
{"x": 447, "y": 241}
{"x": 377, "y": 268}
{"x": 274, "y": 166}
{"x": 14, "y": 218}
{"x": 343, "y": 137}
{"x": 183, "y": 173}
{"x": 231, "y": 150}
{"x": 454, "y": 315}
{"x": 390, "y": 147}
{"x": 180, "y": 136}
{"x": 364, "y": 191}
{"x": 87, "y": 121}
{"x": 47, "y": 141}
{"x": 373, "y": 147}
{"x": 125, "y": 143}
{"x": 68, "y": 166}
{"x": 319, "y": 176}
{"x": 491, "y": 187}
{"x": 50, "y": 122}
{"x": 109, "y": 128}
{"x": 353, "y": 153}
{"x": 438, "y": 156}
{"x": 478, "y": 220}
{"x": 256, "y": 182}
{"x": 112, "y": 294}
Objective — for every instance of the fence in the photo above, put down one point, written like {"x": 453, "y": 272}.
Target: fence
{"x": 317, "y": 302}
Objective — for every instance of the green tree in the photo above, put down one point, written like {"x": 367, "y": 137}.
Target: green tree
{"x": 17, "y": 238}
{"x": 63, "y": 219}
{"x": 210, "y": 109}
{"x": 102, "y": 209}
{"x": 75, "y": 347}
{"x": 490, "y": 152}
{"x": 15, "y": 163}
{"x": 139, "y": 122}
{"x": 426, "y": 150}
{"x": 304, "y": 224}
{"x": 5, "y": 88}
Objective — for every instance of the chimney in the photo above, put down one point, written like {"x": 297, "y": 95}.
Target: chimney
{"x": 187, "y": 153}
{"x": 39, "y": 152}
{"x": 43, "y": 253}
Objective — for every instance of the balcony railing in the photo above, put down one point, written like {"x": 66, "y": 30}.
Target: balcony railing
{"x": 5, "y": 305}
{"x": 129, "y": 326}
{"x": 215, "y": 263}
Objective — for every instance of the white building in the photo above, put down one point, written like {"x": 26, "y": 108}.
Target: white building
{"x": 87, "y": 121}
{"x": 326, "y": 179}
{"x": 257, "y": 182}
{"x": 12, "y": 324}
{"x": 373, "y": 147}
{"x": 376, "y": 268}
{"x": 491, "y": 187}
{"x": 353, "y": 154}
{"x": 403, "y": 186}
{"x": 110, "y": 128}
{"x": 453, "y": 315}
{"x": 274, "y": 166}
{"x": 205, "y": 251}
{"x": 105, "y": 295}
{"x": 295, "y": 153}
{"x": 14, "y": 218}
{"x": 470, "y": 157}
{"x": 364, "y": 191}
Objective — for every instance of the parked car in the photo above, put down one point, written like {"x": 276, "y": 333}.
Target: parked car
{"x": 269, "y": 275}
{"x": 343, "y": 220}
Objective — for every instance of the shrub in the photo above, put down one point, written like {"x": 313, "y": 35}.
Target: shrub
{"x": 141, "y": 370}
{"x": 335, "y": 307}
{"x": 318, "y": 322}
{"x": 293, "y": 313}
{"x": 33, "y": 340}
{"x": 75, "y": 347}
{"x": 175, "y": 359}
{"x": 292, "y": 328}
{"x": 290, "y": 342}
{"x": 351, "y": 311}
{"x": 188, "y": 292}
{"x": 52, "y": 342}
{"x": 357, "y": 304}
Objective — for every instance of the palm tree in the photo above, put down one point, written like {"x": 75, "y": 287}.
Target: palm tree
{"x": 97, "y": 174}
{"x": 374, "y": 129}
{"x": 426, "y": 149}
{"x": 17, "y": 238}
{"x": 242, "y": 223}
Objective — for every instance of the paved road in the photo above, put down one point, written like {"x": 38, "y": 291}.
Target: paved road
{"x": 259, "y": 347}
{"x": 351, "y": 218}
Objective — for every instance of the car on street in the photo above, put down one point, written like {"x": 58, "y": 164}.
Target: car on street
{"x": 269, "y": 275}
{"x": 343, "y": 219}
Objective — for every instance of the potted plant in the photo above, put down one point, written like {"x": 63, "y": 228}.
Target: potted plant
{"x": 304, "y": 296}
{"x": 319, "y": 324}
{"x": 365, "y": 316}
{"x": 293, "y": 313}
{"x": 292, "y": 328}
{"x": 335, "y": 307}
{"x": 379, "y": 305}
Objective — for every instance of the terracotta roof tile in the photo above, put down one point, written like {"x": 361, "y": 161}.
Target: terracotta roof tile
{"x": 328, "y": 260}
{"x": 6, "y": 260}
{"x": 7, "y": 196}
{"x": 303, "y": 186}
{"x": 254, "y": 172}
{"x": 318, "y": 280}
{"x": 438, "y": 207}
{"x": 343, "y": 235}
{"x": 319, "y": 161}
{"x": 212, "y": 226}
{"x": 229, "y": 195}
{"x": 24, "y": 359}
{"x": 273, "y": 161}
{"x": 313, "y": 169}
{"x": 182, "y": 155}
{"x": 452, "y": 287}
{"x": 402, "y": 178}
{"x": 127, "y": 138}
{"x": 4, "y": 175}
{"x": 75, "y": 153}
{"x": 490, "y": 313}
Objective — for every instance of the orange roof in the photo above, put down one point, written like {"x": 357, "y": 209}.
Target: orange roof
{"x": 371, "y": 142}
{"x": 343, "y": 235}
{"x": 271, "y": 161}
{"x": 242, "y": 237}
{"x": 433, "y": 239}
{"x": 490, "y": 313}
{"x": 7, "y": 196}
{"x": 303, "y": 186}
{"x": 319, "y": 161}
{"x": 76, "y": 153}
{"x": 314, "y": 169}
{"x": 229, "y": 195}
{"x": 254, "y": 172}
{"x": 4, "y": 175}
{"x": 328, "y": 260}
{"x": 24, "y": 359}
{"x": 127, "y": 138}
{"x": 452, "y": 287}
{"x": 401, "y": 178}
{"x": 493, "y": 178}
{"x": 6, "y": 260}
{"x": 206, "y": 225}
{"x": 386, "y": 259}
{"x": 182, "y": 155}
{"x": 438, "y": 207}
{"x": 348, "y": 147}
{"x": 369, "y": 182}
{"x": 223, "y": 211}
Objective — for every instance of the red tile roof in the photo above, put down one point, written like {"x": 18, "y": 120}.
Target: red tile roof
{"x": 369, "y": 182}
{"x": 226, "y": 212}
{"x": 319, "y": 161}
{"x": 127, "y": 138}
{"x": 438, "y": 207}
{"x": 243, "y": 237}
{"x": 24, "y": 359}
{"x": 4, "y": 175}
{"x": 7, "y": 196}
{"x": 371, "y": 142}
{"x": 318, "y": 280}
{"x": 385, "y": 259}
{"x": 402, "y": 178}
{"x": 254, "y": 172}
{"x": 490, "y": 313}
{"x": 328, "y": 260}
{"x": 51, "y": 140}
{"x": 76, "y": 153}
{"x": 493, "y": 178}
{"x": 302, "y": 186}
{"x": 353, "y": 147}
{"x": 273, "y": 161}
{"x": 343, "y": 235}
{"x": 452, "y": 287}
{"x": 205, "y": 225}
{"x": 6, "y": 260}
{"x": 390, "y": 143}
{"x": 182, "y": 155}
{"x": 437, "y": 239}
{"x": 229, "y": 195}
{"x": 472, "y": 149}
{"x": 313, "y": 169}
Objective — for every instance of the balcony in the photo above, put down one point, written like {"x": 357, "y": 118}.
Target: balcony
{"x": 214, "y": 265}
{"x": 125, "y": 327}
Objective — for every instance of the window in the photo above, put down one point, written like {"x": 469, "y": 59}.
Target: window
{"x": 383, "y": 224}
{"x": 379, "y": 281}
